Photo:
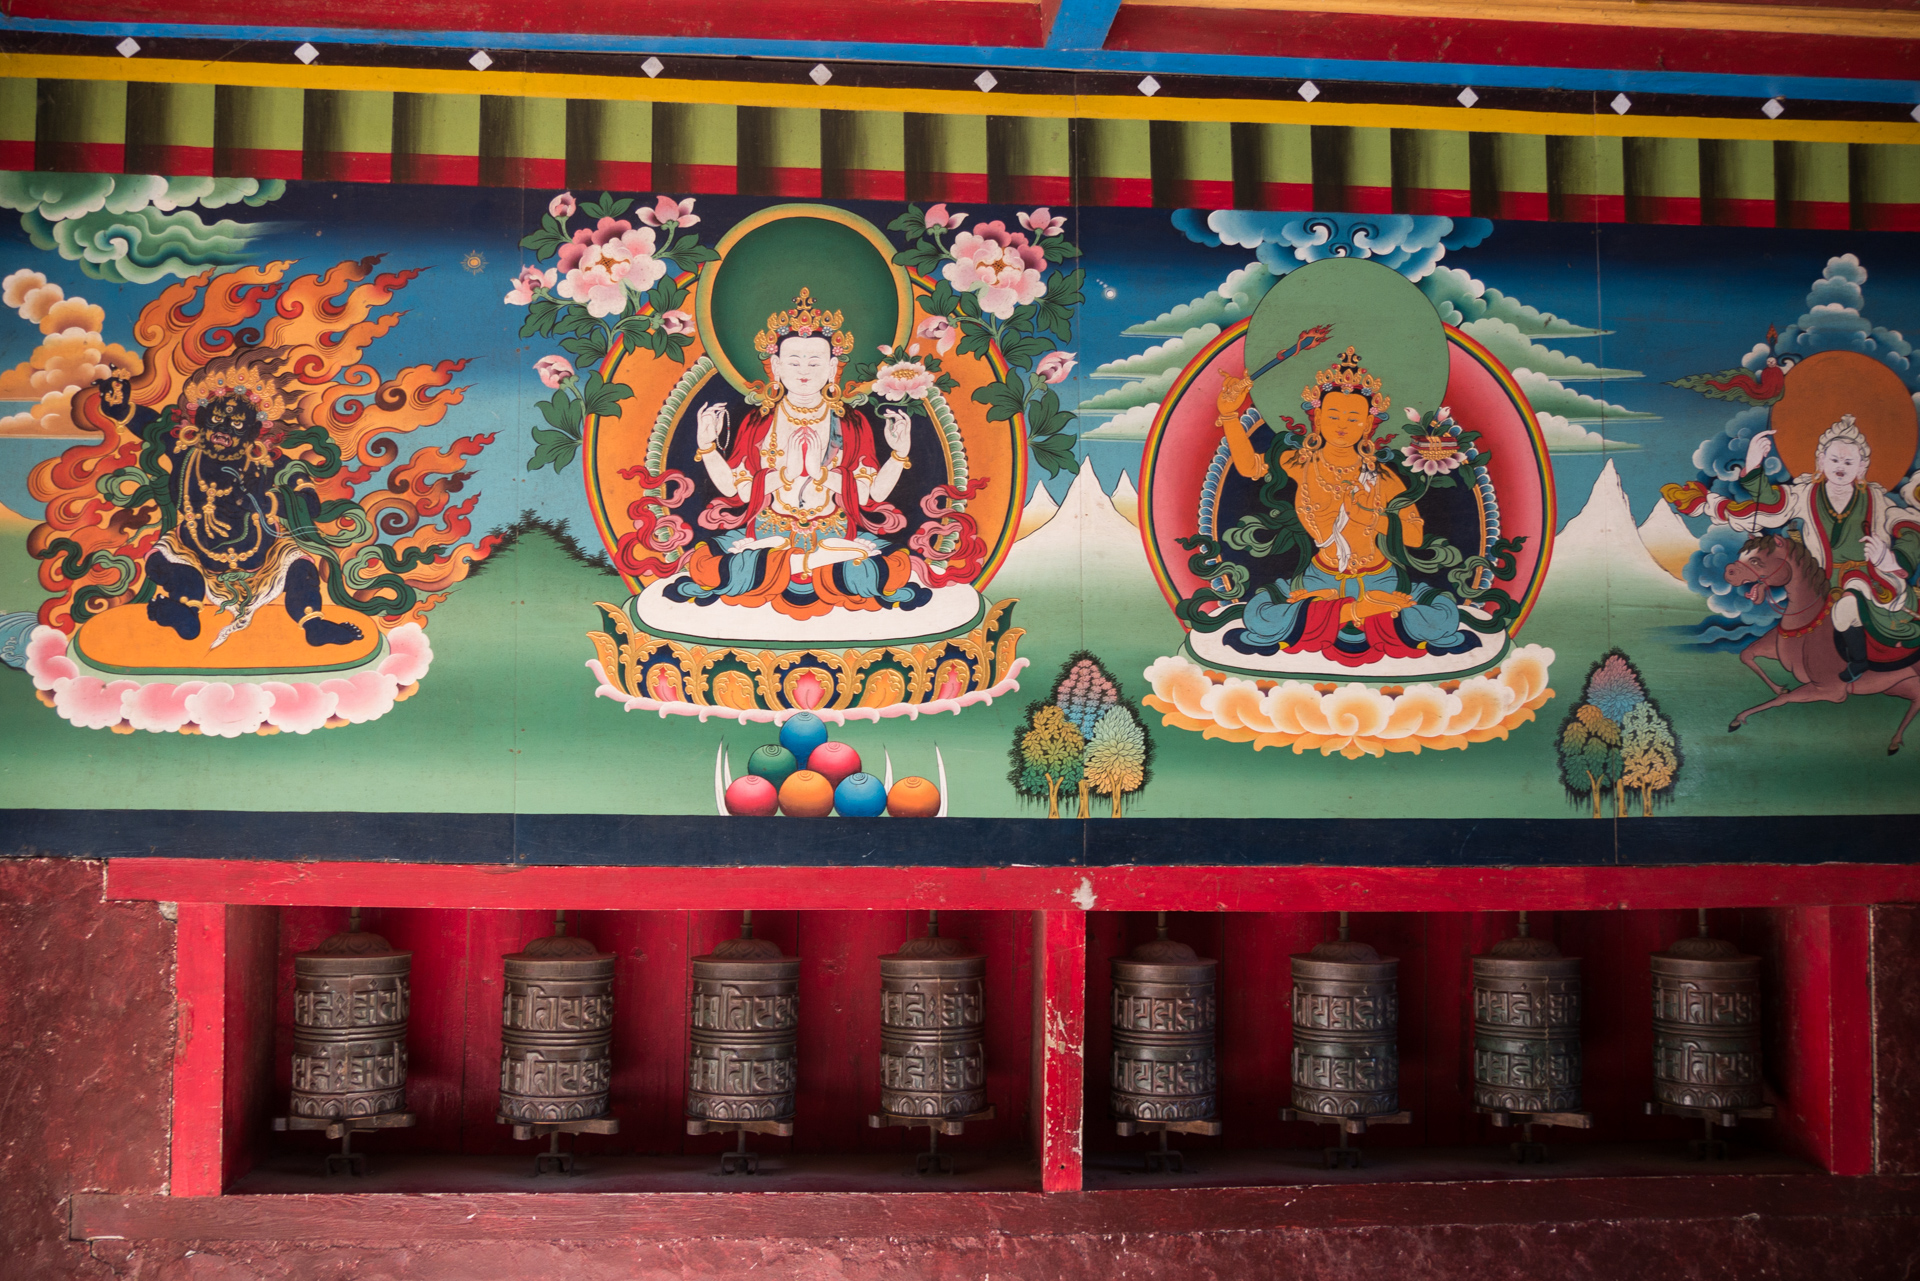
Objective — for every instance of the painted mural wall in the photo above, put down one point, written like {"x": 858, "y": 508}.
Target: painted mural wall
{"x": 333, "y": 496}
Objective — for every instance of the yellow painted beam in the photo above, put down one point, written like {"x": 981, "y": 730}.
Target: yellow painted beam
{"x": 1676, "y": 15}
{"x": 953, "y": 102}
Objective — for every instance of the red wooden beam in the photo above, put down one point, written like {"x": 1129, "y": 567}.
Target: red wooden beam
{"x": 1117, "y": 889}
{"x": 1059, "y": 1043}
{"x": 200, "y": 1049}
{"x": 385, "y": 1218}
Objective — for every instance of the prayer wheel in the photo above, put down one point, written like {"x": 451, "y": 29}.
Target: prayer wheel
{"x": 933, "y": 1011}
{"x": 556, "y": 1031}
{"x": 1164, "y": 1069}
{"x": 1706, "y": 1027}
{"x": 1526, "y": 1028}
{"x": 744, "y": 1028}
{"x": 1346, "y": 1023}
{"x": 350, "y": 1000}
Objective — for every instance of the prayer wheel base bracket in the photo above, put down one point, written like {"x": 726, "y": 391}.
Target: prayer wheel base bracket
{"x": 933, "y": 1160}
{"x": 1710, "y": 1148}
{"x": 1165, "y": 1159}
{"x": 1345, "y": 1156}
{"x": 702, "y": 1125}
{"x": 553, "y": 1158}
{"x": 1526, "y": 1149}
{"x": 343, "y": 1128}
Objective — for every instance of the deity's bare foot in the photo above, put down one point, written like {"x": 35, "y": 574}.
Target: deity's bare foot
{"x": 168, "y": 612}
{"x": 324, "y": 631}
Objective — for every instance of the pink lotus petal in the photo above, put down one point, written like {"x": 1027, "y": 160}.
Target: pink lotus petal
{"x": 364, "y": 696}
{"x": 228, "y": 711}
{"x": 160, "y": 708}
{"x": 408, "y": 654}
{"x": 299, "y": 709}
{"x": 91, "y": 703}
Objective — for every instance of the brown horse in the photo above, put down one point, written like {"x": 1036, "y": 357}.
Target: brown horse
{"x": 1803, "y": 643}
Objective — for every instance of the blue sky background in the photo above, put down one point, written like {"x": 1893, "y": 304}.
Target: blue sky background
{"x": 1681, "y": 300}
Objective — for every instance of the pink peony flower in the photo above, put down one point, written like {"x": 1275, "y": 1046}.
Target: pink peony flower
{"x": 604, "y": 272}
{"x": 408, "y": 653}
{"x": 1055, "y": 366}
{"x": 939, "y": 217}
{"x": 903, "y": 380}
{"x": 563, "y": 206}
{"x": 300, "y": 708}
{"x": 941, "y": 331}
{"x": 553, "y": 370}
{"x": 676, "y": 322}
{"x": 160, "y": 708}
{"x": 529, "y": 280}
{"x": 587, "y": 238}
{"x": 998, "y": 266}
{"x": 1043, "y": 222}
{"x": 666, "y": 209}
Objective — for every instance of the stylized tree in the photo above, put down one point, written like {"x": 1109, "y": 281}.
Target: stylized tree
{"x": 1047, "y": 752}
{"x": 1085, "y": 691}
{"x": 1650, "y": 755}
{"x": 1614, "y": 685}
{"x": 1117, "y": 756}
{"x": 1590, "y": 761}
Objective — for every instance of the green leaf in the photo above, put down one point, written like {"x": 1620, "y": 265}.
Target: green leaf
{"x": 554, "y": 410}
{"x": 588, "y": 348}
{"x": 618, "y": 207}
{"x": 691, "y": 256}
{"x": 912, "y": 224}
{"x": 543, "y": 243}
{"x": 1021, "y": 350}
{"x": 541, "y": 313}
{"x": 1055, "y": 453}
{"x": 666, "y": 295}
{"x": 1003, "y": 399}
{"x": 553, "y": 449}
{"x": 942, "y": 300}
{"x": 677, "y": 345}
{"x": 606, "y": 402}
{"x": 593, "y": 208}
{"x": 922, "y": 257}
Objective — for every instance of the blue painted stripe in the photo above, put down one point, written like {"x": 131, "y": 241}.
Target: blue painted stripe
{"x": 1579, "y": 78}
{"x": 1082, "y": 24}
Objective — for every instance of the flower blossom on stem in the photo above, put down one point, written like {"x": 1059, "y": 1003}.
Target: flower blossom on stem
{"x": 529, "y": 282}
{"x": 563, "y": 206}
{"x": 676, "y": 322}
{"x": 938, "y": 216}
{"x": 1055, "y": 366}
{"x": 666, "y": 209}
{"x": 554, "y": 371}
{"x": 941, "y": 331}
{"x": 1043, "y": 222}
{"x": 901, "y": 376}
{"x": 997, "y": 266}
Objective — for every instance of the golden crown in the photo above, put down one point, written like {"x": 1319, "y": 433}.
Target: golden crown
{"x": 245, "y": 382}
{"x": 1347, "y": 375}
{"x": 804, "y": 319}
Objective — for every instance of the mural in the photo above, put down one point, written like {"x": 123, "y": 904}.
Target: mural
{"x": 1354, "y": 486}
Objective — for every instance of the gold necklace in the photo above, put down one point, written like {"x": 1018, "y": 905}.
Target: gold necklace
{"x": 794, "y": 414}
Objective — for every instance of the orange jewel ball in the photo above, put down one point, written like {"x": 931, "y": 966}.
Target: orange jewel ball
{"x": 806, "y": 794}
{"x": 910, "y": 798}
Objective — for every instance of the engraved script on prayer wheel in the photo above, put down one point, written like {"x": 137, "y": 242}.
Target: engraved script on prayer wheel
{"x": 1526, "y": 1028}
{"x": 933, "y": 1060}
{"x": 1163, "y": 1035}
{"x": 556, "y": 1031}
{"x": 1706, "y": 1026}
{"x": 350, "y": 999}
{"x": 745, "y": 1026}
{"x": 1346, "y": 1024}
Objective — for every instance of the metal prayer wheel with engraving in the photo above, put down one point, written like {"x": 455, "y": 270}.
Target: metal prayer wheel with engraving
{"x": 1164, "y": 1020}
{"x": 744, "y": 1027}
{"x": 933, "y": 1056}
{"x": 556, "y": 1031}
{"x": 1706, "y": 1035}
{"x": 350, "y": 1001}
{"x": 1526, "y": 1028}
{"x": 1346, "y": 1027}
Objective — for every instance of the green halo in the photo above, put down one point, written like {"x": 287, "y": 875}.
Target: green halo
{"x": 1371, "y": 307}
{"x": 770, "y": 256}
